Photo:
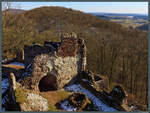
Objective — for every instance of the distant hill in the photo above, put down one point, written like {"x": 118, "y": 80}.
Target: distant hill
{"x": 127, "y": 20}
{"x": 14, "y": 11}
{"x": 135, "y": 16}
{"x": 51, "y": 20}
{"x": 65, "y": 17}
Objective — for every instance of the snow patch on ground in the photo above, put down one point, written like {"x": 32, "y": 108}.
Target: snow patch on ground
{"x": 5, "y": 60}
{"x": 29, "y": 66}
{"x": 17, "y": 63}
{"x": 67, "y": 107}
{"x": 5, "y": 99}
{"x": 5, "y": 84}
{"x": 3, "y": 109}
{"x": 98, "y": 103}
{"x": 26, "y": 74}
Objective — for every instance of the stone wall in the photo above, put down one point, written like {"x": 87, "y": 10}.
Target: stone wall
{"x": 30, "y": 52}
{"x": 62, "y": 64}
{"x": 61, "y": 68}
{"x": 69, "y": 47}
{"x": 82, "y": 55}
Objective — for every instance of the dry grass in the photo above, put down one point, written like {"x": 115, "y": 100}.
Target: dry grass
{"x": 56, "y": 96}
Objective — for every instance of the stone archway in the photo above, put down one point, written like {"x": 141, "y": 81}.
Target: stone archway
{"x": 47, "y": 83}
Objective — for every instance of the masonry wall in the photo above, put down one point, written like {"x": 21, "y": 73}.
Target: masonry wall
{"x": 63, "y": 64}
{"x": 30, "y": 52}
{"x": 64, "y": 69}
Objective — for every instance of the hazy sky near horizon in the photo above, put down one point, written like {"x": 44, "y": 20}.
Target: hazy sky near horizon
{"x": 111, "y": 7}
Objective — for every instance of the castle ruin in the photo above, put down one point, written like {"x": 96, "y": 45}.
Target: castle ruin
{"x": 55, "y": 64}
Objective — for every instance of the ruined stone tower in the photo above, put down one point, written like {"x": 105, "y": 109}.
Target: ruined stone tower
{"x": 56, "y": 65}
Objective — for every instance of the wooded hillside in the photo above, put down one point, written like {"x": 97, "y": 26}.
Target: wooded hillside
{"x": 112, "y": 50}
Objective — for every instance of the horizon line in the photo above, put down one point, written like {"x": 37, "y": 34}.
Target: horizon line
{"x": 87, "y": 11}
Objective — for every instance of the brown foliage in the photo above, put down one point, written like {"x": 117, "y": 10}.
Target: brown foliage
{"x": 112, "y": 50}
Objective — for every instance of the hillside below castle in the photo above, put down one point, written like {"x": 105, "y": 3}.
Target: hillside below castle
{"x": 59, "y": 68}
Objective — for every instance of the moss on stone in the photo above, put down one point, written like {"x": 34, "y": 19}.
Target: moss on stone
{"x": 63, "y": 94}
{"x": 51, "y": 107}
{"x": 20, "y": 95}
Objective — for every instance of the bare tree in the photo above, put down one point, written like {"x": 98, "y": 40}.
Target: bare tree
{"x": 6, "y": 6}
{"x": 10, "y": 5}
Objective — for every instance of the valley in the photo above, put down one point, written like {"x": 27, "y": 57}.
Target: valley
{"x": 128, "y": 20}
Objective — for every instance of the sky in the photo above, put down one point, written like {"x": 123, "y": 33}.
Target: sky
{"x": 109, "y": 7}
